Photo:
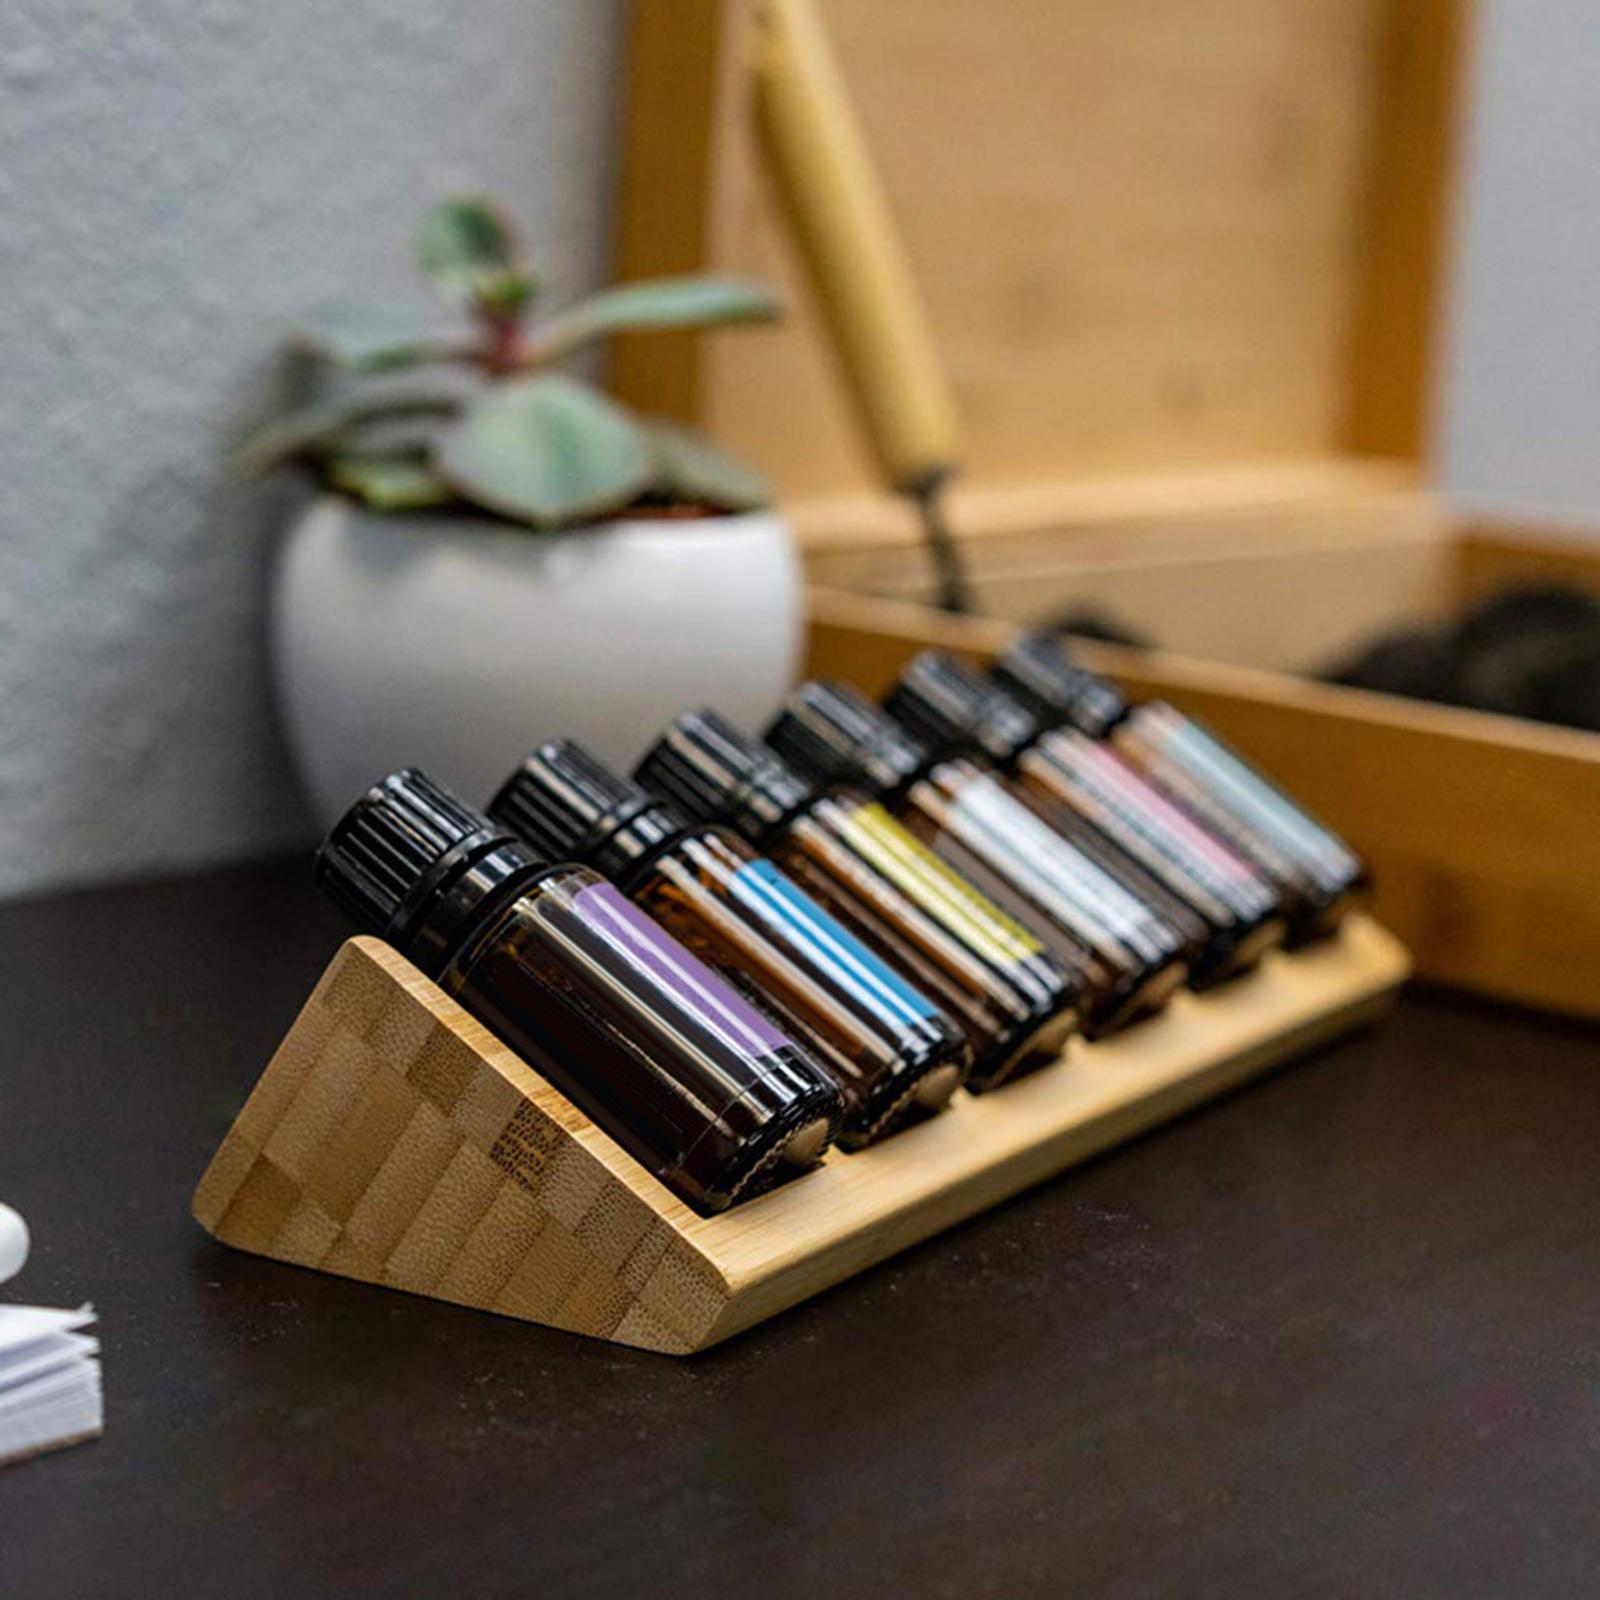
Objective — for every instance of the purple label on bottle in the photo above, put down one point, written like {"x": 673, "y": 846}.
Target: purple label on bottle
{"x": 692, "y": 984}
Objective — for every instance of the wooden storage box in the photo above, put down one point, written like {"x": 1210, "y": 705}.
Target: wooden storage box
{"x": 1182, "y": 264}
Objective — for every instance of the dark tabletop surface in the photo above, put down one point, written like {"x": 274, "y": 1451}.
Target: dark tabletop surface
{"x": 1336, "y": 1335}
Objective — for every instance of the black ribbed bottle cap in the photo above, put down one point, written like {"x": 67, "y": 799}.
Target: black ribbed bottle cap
{"x": 835, "y": 735}
{"x": 1038, "y": 670}
{"x": 959, "y": 712}
{"x": 714, "y": 773}
{"x": 409, "y": 861}
{"x": 569, "y": 805}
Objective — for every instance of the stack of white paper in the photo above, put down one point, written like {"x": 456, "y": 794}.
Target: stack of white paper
{"x": 49, "y": 1367}
{"x": 49, "y": 1380}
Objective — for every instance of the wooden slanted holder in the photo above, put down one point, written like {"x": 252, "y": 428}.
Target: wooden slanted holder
{"x": 394, "y": 1140}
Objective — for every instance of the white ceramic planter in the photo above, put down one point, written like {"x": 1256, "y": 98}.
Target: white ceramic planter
{"x": 453, "y": 645}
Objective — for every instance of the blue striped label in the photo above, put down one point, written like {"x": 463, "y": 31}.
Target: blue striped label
{"x": 831, "y": 948}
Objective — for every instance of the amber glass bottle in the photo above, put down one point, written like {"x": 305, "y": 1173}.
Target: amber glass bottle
{"x": 1015, "y": 1002}
{"x": 1316, "y": 874}
{"x": 889, "y": 1048}
{"x": 699, "y": 1087}
{"x": 1227, "y": 923}
{"x": 1235, "y": 901}
{"x": 1126, "y": 959}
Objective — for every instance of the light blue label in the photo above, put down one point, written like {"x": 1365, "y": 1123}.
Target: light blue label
{"x": 830, "y": 948}
{"x": 1239, "y": 786}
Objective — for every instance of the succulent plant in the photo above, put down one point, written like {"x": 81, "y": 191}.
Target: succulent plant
{"x": 416, "y": 410}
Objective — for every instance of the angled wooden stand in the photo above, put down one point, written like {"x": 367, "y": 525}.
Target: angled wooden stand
{"x": 394, "y": 1140}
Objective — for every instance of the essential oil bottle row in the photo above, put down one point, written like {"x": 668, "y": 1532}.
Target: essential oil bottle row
{"x": 753, "y": 950}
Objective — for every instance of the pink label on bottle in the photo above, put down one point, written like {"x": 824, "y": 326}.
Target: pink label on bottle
{"x": 684, "y": 977}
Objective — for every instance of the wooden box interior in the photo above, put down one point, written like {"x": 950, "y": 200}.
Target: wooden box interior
{"x": 1285, "y": 571}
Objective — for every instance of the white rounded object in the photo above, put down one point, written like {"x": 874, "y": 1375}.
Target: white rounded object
{"x": 457, "y": 645}
{"x": 13, "y": 1243}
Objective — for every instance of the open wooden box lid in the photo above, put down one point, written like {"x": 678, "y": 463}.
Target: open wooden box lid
{"x": 1182, "y": 261}
{"x": 1173, "y": 255}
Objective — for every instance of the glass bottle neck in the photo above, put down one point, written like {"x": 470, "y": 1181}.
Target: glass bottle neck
{"x": 469, "y": 894}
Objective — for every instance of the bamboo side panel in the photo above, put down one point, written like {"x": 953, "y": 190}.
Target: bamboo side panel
{"x": 393, "y": 1140}
{"x": 1479, "y": 829}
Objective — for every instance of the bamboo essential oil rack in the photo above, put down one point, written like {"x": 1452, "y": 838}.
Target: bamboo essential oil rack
{"x": 1222, "y": 266}
{"x": 393, "y": 1139}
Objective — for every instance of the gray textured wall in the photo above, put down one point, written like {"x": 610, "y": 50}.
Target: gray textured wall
{"x": 1520, "y": 417}
{"x": 178, "y": 179}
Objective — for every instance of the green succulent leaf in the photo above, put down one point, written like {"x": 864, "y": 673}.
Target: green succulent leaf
{"x": 417, "y": 435}
{"x": 314, "y": 428}
{"x": 389, "y": 483}
{"x": 694, "y": 471}
{"x": 466, "y": 249}
{"x": 549, "y": 451}
{"x": 506, "y": 295}
{"x": 379, "y": 337}
{"x": 654, "y": 303}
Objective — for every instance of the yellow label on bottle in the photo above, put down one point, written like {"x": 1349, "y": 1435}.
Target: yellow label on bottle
{"x": 938, "y": 889}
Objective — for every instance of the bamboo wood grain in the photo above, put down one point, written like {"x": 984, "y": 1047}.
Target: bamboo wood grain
{"x": 1262, "y": 569}
{"x": 1148, "y": 237}
{"x": 677, "y": 57}
{"x": 1173, "y": 503}
{"x": 1402, "y": 249}
{"x": 1490, "y": 556}
{"x": 393, "y": 1140}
